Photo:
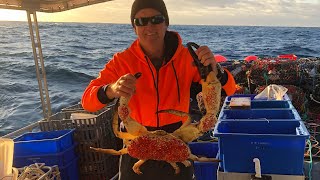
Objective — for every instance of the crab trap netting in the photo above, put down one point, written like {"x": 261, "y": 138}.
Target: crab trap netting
{"x": 313, "y": 147}
{"x": 314, "y": 105}
{"x": 238, "y": 69}
{"x": 309, "y": 72}
{"x": 273, "y": 71}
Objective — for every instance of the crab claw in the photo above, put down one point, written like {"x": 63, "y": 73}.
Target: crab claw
{"x": 133, "y": 127}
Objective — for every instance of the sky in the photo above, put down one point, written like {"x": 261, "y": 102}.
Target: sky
{"x": 301, "y": 13}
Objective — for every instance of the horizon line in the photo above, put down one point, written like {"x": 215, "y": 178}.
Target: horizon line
{"x": 169, "y": 25}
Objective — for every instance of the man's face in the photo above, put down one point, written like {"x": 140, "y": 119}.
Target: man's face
{"x": 150, "y": 33}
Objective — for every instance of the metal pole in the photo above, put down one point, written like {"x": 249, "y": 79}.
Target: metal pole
{"x": 46, "y": 107}
{"x": 42, "y": 65}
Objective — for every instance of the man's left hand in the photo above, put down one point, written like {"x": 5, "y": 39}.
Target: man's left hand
{"x": 206, "y": 57}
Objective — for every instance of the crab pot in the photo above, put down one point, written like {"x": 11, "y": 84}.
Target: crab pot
{"x": 283, "y": 72}
{"x": 280, "y": 150}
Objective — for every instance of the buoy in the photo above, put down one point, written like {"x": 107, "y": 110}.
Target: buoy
{"x": 251, "y": 58}
{"x": 220, "y": 58}
{"x": 288, "y": 56}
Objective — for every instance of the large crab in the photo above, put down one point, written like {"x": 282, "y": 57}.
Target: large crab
{"x": 160, "y": 145}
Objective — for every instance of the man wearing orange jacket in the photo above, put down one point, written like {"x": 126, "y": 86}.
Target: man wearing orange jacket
{"x": 167, "y": 73}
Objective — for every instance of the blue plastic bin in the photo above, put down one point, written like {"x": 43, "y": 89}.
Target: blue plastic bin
{"x": 43, "y": 143}
{"x": 61, "y": 159}
{"x": 205, "y": 170}
{"x": 266, "y": 105}
{"x": 271, "y": 105}
{"x": 70, "y": 171}
{"x": 260, "y": 114}
{"x": 279, "y": 149}
{"x": 285, "y": 97}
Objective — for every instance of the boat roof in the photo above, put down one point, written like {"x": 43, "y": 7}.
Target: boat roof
{"x": 48, "y": 6}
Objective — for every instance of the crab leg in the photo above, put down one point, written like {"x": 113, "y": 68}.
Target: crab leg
{"x": 136, "y": 166}
{"x": 175, "y": 167}
{"x": 111, "y": 151}
{"x": 186, "y": 163}
{"x": 203, "y": 159}
{"x": 178, "y": 113}
{"x": 188, "y": 131}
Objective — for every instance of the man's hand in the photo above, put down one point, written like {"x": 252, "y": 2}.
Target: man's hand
{"x": 206, "y": 57}
{"x": 124, "y": 86}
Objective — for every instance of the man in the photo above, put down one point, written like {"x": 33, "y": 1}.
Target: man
{"x": 167, "y": 73}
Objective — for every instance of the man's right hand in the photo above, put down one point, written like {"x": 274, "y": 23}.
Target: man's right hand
{"x": 124, "y": 86}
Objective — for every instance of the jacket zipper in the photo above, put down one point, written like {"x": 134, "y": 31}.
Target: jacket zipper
{"x": 157, "y": 90}
{"x": 158, "y": 99}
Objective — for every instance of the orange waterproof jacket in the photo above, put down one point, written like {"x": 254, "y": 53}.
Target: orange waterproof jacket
{"x": 168, "y": 88}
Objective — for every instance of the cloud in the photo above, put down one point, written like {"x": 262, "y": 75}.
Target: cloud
{"x": 246, "y": 12}
{"x": 208, "y": 12}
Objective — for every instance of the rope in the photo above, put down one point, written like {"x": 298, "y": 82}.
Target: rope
{"x": 31, "y": 173}
{"x": 266, "y": 78}
{"x": 311, "y": 97}
{"x": 310, "y": 165}
{"x": 36, "y": 172}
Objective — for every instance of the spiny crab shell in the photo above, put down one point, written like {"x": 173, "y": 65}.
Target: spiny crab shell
{"x": 159, "y": 145}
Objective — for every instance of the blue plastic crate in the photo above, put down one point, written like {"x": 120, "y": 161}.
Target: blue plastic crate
{"x": 205, "y": 170}
{"x": 260, "y": 114}
{"x": 61, "y": 159}
{"x": 266, "y": 105}
{"x": 70, "y": 171}
{"x": 252, "y": 96}
{"x": 256, "y": 127}
{"x": 42, "y": 143}
{"x": 206, "y": 149}
{"x": 228, "y": 98}
{"x": 271, "y": 105}
{"x": 279, "y": 149}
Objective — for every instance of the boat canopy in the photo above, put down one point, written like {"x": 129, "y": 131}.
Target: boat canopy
{"x": 49, "y": 6}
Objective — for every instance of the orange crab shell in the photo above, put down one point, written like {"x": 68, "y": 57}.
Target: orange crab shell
{"x": 163, "y": 148}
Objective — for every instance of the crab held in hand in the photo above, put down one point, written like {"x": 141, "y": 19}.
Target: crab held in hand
{"x": 160, "y": 145}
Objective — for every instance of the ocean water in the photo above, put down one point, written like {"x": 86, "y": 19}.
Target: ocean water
{"x": 74, "y": 53}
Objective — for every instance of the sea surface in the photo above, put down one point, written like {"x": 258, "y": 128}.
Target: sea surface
{"x": 74, "y": 53}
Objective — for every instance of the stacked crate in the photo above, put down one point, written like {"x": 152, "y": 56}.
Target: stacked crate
{"x": 205, "y": 170}
{"x": 269, "y": 130}
{"x": 51, "y": 148}
{"x": 94, "y": 131}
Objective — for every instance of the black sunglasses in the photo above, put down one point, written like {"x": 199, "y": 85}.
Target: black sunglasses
{"x": 158, "y": 19}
